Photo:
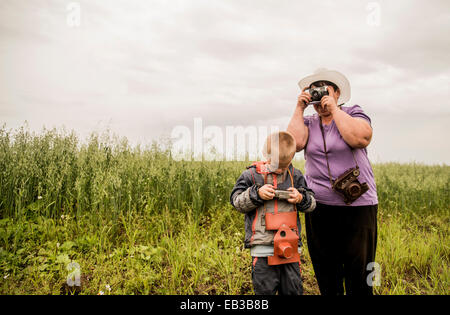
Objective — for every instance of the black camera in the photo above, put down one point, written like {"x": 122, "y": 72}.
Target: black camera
{"x": 348, "y": 185}
{"x": 317, "y": 93}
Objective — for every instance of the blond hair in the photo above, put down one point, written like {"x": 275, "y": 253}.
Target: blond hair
{"x": 280, "y": 147}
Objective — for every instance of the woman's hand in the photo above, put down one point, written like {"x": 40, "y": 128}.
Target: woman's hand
{"x": 304, "y": 99}
{"x": 329, "y": 101}
{"x": 296, "y": 196}
{"x": 266, "y": 192}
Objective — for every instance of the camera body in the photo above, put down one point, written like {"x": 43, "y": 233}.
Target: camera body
{"x": 282, "y": 194}
{"x": 348, "y": 185}
{"x": 317, "y": 93}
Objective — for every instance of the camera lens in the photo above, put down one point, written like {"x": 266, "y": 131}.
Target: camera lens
{"x": 315, "y": 96}
{"x": 354, "y": 190}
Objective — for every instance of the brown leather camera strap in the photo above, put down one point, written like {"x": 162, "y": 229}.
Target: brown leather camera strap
{"x": 326, "y": 153}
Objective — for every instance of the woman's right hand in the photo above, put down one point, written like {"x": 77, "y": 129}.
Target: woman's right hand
{"x": 304, "y": 99}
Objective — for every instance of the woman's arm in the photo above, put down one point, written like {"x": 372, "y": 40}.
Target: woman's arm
{"x": 298, "y": 129}
{"x": 297, "y": 125}
{"x": 355, "y": 131}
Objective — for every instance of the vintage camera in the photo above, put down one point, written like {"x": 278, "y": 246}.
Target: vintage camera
{"x": 317, "y": 94}
{"x": 348, "y": 185}
{"x": 282, "y": 194}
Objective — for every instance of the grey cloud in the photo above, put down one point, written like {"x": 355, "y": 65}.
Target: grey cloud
{"x": 414, "y": 38}
{"x": 143, "y": 67}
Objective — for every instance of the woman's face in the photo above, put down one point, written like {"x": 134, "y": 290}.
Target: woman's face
{"x": 324, "y": 112}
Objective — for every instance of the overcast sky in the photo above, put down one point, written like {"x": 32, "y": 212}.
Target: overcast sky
{"x": 141, "y": 68}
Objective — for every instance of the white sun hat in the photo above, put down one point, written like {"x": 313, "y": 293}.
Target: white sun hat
{"x": 336, "y": 77}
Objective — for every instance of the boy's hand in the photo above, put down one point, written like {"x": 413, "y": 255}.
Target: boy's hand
{"x": 296, "y": 196}
{"x": 266, "y": 192}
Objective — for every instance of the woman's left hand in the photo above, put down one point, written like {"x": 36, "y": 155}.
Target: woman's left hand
{"x": 329, "y": 101}
{"x": 296, "y": 196}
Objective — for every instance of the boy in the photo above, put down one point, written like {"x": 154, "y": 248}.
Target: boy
{"x": 271, "y": 215}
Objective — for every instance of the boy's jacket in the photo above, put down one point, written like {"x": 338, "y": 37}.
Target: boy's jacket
{"x": 245, "y": 199}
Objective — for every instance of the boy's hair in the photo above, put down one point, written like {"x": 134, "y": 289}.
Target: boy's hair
{"x": 280, "y": 148}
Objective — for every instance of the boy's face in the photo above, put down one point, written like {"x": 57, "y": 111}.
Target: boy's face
{"x": 281, "y": 167}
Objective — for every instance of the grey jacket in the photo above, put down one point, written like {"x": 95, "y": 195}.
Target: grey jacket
{"x": 245, "y": 199}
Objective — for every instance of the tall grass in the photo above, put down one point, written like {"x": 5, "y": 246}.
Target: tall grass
{"x": 137, "y": 220}
{"x": 53, "y": 174}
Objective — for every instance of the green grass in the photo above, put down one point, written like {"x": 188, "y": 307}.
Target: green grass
{"x": 140, "y": 223}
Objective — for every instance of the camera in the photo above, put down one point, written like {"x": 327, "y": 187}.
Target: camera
{"x": 348, "y": 185}
{"x": 282, "y": 194}
{"x": 317, "y": 94}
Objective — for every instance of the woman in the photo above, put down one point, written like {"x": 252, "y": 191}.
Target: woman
{"x": 341, "y": 233}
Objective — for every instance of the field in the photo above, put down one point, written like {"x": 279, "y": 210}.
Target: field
{"x": 133, "y": 221}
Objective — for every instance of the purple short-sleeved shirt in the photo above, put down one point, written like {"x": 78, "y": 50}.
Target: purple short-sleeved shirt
{"x": 340, "y": 159}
